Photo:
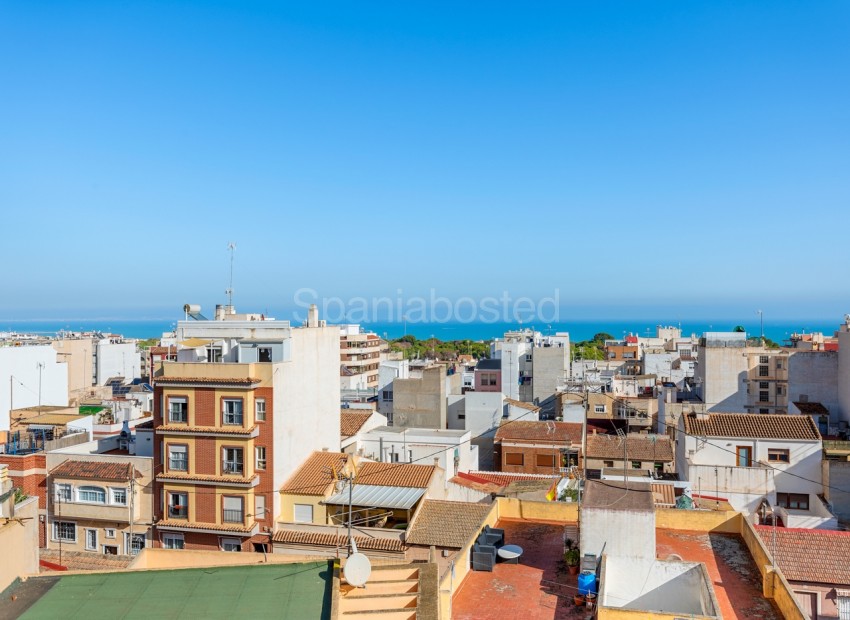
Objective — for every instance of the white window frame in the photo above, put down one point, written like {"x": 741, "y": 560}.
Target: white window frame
{"x": 178, "y": 400}
{"x": 57, "y": 534}
{"x": 173, "y": 541}
{"x": 109, "y": 532}
{"x": 260, "y": 463}
{"x": 229, "y": 463}
{"x": 63, "y": 492}
{"x": 113, "y": 494}
{"x": 88, "y": 546}
{"x": 234, "y": 414}
{"x": 90, "y": 488}
{"x": 259, "y": 507}
{"x": 260, "y": 409}
{"x": 598, "y": 408}
{"x": 178, "y": 449}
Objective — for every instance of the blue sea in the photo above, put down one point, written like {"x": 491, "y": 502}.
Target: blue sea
{"x": 578, "y": 329}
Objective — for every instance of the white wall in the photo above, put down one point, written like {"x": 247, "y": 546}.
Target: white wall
{"x": 306, "y": 401}
{"x": 844, "y": 376}
{"x": 815, "y": 374}
{"x": 21, "y": 365}
{"x": 117, "y": 359}
{"x": 620, "y": 533}
{"x": 484, "y": 411}
{"x": 722, "y": 372}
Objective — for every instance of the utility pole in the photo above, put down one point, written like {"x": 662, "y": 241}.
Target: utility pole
{"x": 40, "y": 367}
{"x": 230, "y": 246}
{"x": 132, "y": 512}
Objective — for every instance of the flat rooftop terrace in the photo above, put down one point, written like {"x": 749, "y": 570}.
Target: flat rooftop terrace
{"x": 258, "y": 591}
{"x": 538, "y": 588}
{"x": 735, "y": 577}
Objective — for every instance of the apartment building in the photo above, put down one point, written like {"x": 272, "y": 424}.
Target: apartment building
{"x": 532, "y": 365}
{"x": 361, "y": 353}
{"x": 247, "y": 401}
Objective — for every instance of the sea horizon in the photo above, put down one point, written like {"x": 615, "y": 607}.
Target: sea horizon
{"x": 579, "y": 329}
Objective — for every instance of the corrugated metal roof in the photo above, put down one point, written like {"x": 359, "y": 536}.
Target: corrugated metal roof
{"x": 378, "y": 496}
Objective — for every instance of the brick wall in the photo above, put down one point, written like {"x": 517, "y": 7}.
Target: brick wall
{"x": 529, "y": 460}
{"x": 205, "y": 407}
{"x": 266, "y": 486}
{"x": 205, "y": 456}
{"x": 28, "y": 472}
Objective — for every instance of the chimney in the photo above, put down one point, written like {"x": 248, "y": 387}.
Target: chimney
{"x": 219, "y": 312}
{"x": 313, "y": 316}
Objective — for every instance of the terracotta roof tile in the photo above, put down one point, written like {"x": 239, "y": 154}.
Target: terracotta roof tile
{"x": 817, "y": 556}
{"x": 395, "y": 475}
{"x": 223, "y": 430}
{"x": 321, "y": 539}
{"x": 206, "y": 478}
{"x": 812, "y": 408}
{"x": 95, "y": 470}
{"x": 757, "y": 425}
{"x": 209, "y": 380}
{"x": 236, "y": 528}
{"x": 350, "y": 423}
{"x": 446, "y": 524}
{"x": 566, "y": 432}
{"x": 313, "y": 477}
{"x": 637, "y": 448}
{"x": 503, "y": 479}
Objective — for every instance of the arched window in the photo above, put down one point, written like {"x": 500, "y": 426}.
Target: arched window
{"x": 95, "y": 495}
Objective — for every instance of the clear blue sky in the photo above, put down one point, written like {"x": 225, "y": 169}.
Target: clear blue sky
{"x": 651, "y": 155}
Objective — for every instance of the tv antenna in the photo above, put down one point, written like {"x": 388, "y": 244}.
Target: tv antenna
{"x": 229, "y": 292}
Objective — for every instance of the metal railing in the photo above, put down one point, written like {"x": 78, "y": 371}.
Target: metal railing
{"x": 232, "y": 516}
{"x": 178, "y": 512}
{"x": 232, "y": 467}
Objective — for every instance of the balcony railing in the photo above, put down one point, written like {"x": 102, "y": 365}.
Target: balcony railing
{"x": 232, "y": 467}
{"x": 178, "y": 512}
{"x": 233, "y": 516}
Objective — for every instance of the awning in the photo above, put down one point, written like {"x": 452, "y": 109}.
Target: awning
{"x": 194, "y": 343}
{"x": 378, "y": 496}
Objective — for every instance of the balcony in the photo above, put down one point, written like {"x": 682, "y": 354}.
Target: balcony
{"x": 233, "y": 516}
{"x": 97, "y": 512}
{"x": 178, "y": 512}
{"x": 232, "y": 468}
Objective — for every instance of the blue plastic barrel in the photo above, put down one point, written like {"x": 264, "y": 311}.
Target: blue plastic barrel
{"x": 587, "y": 583}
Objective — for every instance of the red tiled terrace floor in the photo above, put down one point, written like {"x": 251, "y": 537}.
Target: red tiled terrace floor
{"x": 734, "y": 575}
{"x": 530, "y": 590}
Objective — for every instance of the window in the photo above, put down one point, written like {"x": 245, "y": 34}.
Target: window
{"x": 635, "y": 464}
{"x": 776, "y": 455}
{"x": 264, "y": 354}
{"x": 93, "y": 495}
{"x": 134, "y": 545}
{"x": 232, "y": 411}
{"x": 214, "y": 354}
{"x": 793, "y": 501}
{"x": 743, "y": 456}
{"x": 178, "y": 458}
{"x": 231, "y": 462}
{"x": 780, "y": 390}
{"x": 232, "y": 511}
{"x": 178, "y": 505}
{"x": 528, "y": 358}
{"x": 514, "y": 458}
{"x": 764, "y": 396}
{"x": 599, "y": 408}
{"x": 65, "y": 531}
{"x": 607, "y": 463}
{"x": 488, "y": 378}
{"x": 172, "y": 541}
{"x": 763, "y": 371}
{"x": 260, "y": 410}
{"x": 119, "y": 496}
{"x": 658, "y": 466}
{"x": 842, "y": 600}
{"x": 109, "y": 532}
{"x": 763, "y": 359}
{"x": 303, "y": 513}
{"x": 763, "y": 411}
{"x": 387, "y": 395}
{"x": 260, "y": 457}
{"x": 231, "y": 544}
{"x": 63, "y": 492}
{"x": 178, "y": 410}
{"x": 764, "y": 385}
{"x": 91, "y": 540}
{"x": 545, "y": 460}
{"x": 259, "y": 506}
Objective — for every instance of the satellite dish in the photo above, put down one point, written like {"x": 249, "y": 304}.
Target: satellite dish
{"x": 357, "y": 570}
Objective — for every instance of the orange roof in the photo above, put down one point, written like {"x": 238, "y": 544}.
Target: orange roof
{"x": 95, "y": 470}
{"x": 206, "y": 478}
{"x": 504, "y": 479}
{"x": 395, "y": 475}
{"x": 183, "y": 428}
{"x": 321, "y": 539}
{"x": 208, "y": 380}
{"x": 350, "y": 422}
{"x": 816, "y": 556}
{"x": 756, "y": 425}
{"x": 236, "y": 528}
{"x": 532, "y": 431}
{"x": 637, "y": 447}
{"x": 314, "y": 477}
